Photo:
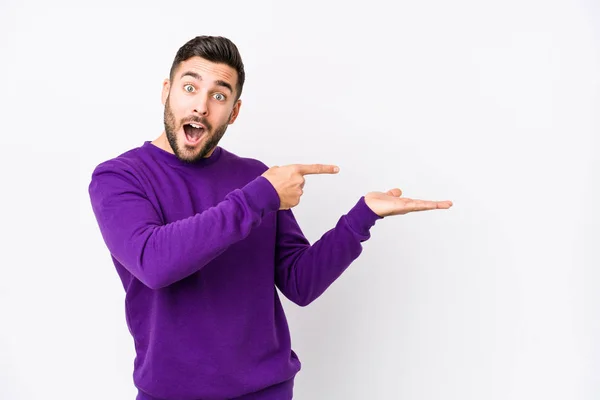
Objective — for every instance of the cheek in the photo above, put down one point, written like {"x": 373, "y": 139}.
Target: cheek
{"x": 227, "y": 115}
{"x": 177, "y": 108}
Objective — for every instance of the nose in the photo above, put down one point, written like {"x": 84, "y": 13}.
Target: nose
{"x": 201, "y": 105}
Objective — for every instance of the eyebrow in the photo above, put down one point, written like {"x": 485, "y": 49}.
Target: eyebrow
{"x": 218, "y": 82}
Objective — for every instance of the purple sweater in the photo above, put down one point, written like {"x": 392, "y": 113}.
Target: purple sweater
{"x": 200, "y": 249}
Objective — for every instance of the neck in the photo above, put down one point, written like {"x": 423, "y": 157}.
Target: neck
{"x": 162, "y": 143}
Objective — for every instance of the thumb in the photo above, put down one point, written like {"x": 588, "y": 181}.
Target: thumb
{"x": 394, "y": 192}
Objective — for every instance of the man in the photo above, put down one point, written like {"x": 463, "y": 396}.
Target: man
{"x": 201, "y": 238}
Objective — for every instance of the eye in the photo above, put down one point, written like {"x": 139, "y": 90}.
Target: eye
{"x": 219, "y": 96}
{"x": 188, "y": 88}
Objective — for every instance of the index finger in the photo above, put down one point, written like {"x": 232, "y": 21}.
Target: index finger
{"x": 312, "y": 169}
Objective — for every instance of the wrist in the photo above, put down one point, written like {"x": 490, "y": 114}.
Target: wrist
{"x": 361, "y": 217}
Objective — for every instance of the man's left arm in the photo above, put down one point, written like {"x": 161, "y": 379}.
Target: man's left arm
{"x": 303, "y": 271}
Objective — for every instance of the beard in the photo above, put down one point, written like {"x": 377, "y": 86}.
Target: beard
{"x": 186, "y": 153}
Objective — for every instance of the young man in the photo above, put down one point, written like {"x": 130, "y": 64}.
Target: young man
{"x": 201, "y": 238}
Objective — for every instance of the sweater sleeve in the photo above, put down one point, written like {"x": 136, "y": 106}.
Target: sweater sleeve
{"x": 160, "y": 254}
{"x": 303, "y": 272}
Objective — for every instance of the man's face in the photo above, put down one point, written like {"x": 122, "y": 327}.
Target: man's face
{"x": 199, "y": 105}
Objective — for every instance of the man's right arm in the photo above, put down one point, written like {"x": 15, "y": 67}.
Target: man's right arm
{"x": 160, "y": 254}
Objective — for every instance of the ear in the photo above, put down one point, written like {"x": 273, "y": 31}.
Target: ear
{"x": 165, "y": 91}
{"x": 235, "y": 111}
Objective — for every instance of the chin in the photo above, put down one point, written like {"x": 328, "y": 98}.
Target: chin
{"x": 190, "y": 153}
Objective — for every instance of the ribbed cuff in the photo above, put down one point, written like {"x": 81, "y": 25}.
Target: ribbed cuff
{"x": 361, "y": 218}
{"x": 261, "y": 195}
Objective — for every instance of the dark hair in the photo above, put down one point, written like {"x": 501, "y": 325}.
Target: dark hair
{"x": 215, "y": 49}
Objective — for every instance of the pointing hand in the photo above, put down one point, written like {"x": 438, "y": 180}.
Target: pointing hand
{"x": 289, "y": 180}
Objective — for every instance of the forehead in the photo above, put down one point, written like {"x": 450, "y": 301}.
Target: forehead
{"x": 208, "y": 70}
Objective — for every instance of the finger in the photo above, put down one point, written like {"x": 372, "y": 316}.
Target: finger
{"x": 395, "y": 192}
{"x": 443, "y": 204}
{"x": 313, "y": 169}
{"x": 420, "y": 205}
{"x": 423, "y": 205}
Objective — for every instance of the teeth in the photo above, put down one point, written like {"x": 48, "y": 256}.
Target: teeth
{"x": 195, "y": 126}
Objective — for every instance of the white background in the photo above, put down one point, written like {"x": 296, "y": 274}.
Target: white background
{"x": 491, "y": 104}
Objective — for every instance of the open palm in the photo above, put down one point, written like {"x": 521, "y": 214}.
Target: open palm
{"x": 391, "y": 203}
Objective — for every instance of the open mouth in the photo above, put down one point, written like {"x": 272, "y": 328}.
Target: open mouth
{"x": 193, "y": 133}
